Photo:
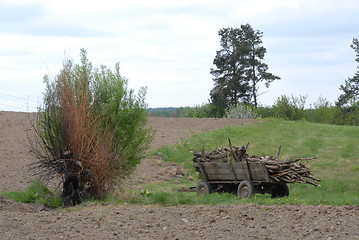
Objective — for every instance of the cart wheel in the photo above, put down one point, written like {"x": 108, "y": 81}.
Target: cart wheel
{"x": 280, "y": 190}
{"x": 203, "y": 188}
{"x": 245, "y": 189}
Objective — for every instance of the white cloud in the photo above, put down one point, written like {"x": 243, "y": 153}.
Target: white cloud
{"x": 169, "y": 46}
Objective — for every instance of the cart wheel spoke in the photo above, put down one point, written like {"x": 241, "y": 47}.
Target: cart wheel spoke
{"x": 245, "y": 189}
{"x": 203, "y": 188}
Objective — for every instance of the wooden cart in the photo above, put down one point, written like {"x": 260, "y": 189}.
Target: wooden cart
{"x": 245, "y": 178}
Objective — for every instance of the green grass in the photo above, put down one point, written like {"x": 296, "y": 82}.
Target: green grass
{"x": 336, "y": 149}
{"x": 36, "y": 192}
{"x": 330, "y": 193}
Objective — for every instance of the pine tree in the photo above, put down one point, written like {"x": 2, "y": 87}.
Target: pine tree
{"x": 239, "y": 67}
{"x": 351, "y": 86}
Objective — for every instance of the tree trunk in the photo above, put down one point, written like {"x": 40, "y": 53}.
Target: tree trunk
{"x": 254, "y": 79}
{"x": 254, "y": 87}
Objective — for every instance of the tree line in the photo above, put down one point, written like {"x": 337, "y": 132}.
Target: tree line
{"x": 240, "y": 71}
{"x": 287, "y": 107}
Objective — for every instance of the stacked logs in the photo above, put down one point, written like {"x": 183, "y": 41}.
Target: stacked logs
{"x": 289, "y": 171}
{"x": 222, "y": 154}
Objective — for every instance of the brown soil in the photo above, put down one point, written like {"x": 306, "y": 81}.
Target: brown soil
{"x": 31, "y": 221}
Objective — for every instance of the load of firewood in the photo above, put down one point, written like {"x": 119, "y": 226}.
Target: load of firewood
{"x": 222, "y": 154}
{"x": 289, "y": 171}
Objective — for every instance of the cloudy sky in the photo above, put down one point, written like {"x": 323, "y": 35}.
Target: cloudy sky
{"x": 169, "y": 46}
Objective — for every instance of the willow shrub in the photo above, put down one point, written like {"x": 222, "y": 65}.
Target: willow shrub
{"x": 91, "y": 117}
{"x": 289, "y": 108}
{"x": 204, "y": 110}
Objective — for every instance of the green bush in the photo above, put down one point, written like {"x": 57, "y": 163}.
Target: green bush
{"x": 322, "y": 112}
{"x": 205, "y": 110}
{"x": 264, "y": 111}
{"x": 91, "y": 120}
{"x": 289, "y": 108}
{"x": 348, "y": 115}
{"x": 123, "y": 111}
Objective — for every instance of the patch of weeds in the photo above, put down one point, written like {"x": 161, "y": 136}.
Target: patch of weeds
{"x": 36, "y": 192}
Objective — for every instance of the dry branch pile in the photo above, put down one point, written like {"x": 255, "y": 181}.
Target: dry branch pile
{"x": 289, "y": 171}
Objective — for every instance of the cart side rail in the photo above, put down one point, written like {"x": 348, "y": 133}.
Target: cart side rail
{"x": 234, "y": 171}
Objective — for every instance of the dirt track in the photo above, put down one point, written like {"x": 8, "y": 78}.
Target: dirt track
{"x": 27, "y": 221}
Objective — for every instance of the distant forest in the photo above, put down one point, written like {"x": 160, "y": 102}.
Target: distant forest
{"x": 164, "y": 112}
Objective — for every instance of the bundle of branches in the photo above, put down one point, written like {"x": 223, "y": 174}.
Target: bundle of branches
{"x": 289, "y": 171}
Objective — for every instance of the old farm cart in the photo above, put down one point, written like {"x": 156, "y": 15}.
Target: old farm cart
{"x": 245, "y": 178}
{"x": 230, "y": 169}
{"x": 221, "y": 173}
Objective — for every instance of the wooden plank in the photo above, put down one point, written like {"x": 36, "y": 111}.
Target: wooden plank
{"x": 240, "y": 169}
{"x": 235, "y": 171}
{"x": 258, "y": 171}
{"x": 265, "y": 172}
{"x": 203, "y": 172}
{"x": 219, "y": 171}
